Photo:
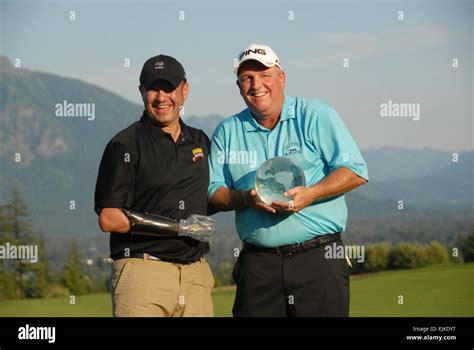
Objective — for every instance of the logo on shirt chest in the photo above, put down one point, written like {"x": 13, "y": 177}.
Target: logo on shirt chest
{"x": 197, "y": 154}
{"x": 292, "y": 148}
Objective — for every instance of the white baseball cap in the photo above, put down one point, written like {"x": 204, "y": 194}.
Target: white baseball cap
{"x": 261, "y": 53}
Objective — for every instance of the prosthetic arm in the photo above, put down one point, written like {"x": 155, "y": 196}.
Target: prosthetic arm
{"x": 196, "y": 226}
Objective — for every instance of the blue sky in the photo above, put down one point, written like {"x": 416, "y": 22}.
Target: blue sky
{"x": 408, "y": 61}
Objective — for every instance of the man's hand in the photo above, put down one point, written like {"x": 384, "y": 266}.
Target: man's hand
{"x": 299, "y": 198}
{"x": 337, "y": 183}
{"x": 251, "y": 199}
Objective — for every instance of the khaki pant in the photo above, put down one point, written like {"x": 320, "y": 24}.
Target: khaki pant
{"x": 149, "y": 287}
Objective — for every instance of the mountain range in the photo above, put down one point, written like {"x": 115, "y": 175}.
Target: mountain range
{"x": 54, "y": 160}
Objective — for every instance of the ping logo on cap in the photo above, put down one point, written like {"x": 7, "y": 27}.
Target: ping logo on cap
{"x": 254, "y": 51}
{"x": 159, "y": 65}
{"x": 261, "y": 53}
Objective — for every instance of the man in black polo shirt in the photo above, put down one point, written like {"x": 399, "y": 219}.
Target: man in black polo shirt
{"x": 151, "y": 195}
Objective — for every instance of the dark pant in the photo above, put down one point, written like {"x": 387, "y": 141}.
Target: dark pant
{"x": 305, "y": 284}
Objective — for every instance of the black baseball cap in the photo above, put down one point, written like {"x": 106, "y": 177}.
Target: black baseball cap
{"x": 162, "y": 67}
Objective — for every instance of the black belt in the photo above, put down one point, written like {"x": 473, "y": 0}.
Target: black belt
{"x": 292, "y": 249}
{"x": 141, "y": 255}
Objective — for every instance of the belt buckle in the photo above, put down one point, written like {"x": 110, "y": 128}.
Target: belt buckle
{"x": 286, "y": 251}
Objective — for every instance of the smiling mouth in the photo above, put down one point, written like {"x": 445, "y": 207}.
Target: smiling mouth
{"x": 259, "y": 94}
{"x": 161, "y": 108}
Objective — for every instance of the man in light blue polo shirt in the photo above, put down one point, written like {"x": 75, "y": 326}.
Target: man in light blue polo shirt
{"x": 282, "y": 269}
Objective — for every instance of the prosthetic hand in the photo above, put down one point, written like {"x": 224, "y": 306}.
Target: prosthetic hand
{"x": 198, "y": 227}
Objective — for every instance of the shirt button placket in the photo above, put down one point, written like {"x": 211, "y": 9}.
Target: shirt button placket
{"x": 270, "y": 146}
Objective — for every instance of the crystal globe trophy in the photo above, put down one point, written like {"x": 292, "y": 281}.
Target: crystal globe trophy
{"x": 276, "y": 176}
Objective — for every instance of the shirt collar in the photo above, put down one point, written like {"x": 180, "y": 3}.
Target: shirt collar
{"x": 188, "y": 136}
{"x": 288, "y": 111}
{"x": 157, "y": 132}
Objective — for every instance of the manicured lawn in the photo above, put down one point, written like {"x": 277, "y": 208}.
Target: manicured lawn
{"x": 432, "y": 291}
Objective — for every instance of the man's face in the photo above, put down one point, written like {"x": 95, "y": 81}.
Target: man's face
{"x": 261, "y": 88}
{"x": 163, "y": 102}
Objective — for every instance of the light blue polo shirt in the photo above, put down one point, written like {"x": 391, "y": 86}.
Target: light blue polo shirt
{"x": 312, "y": 135}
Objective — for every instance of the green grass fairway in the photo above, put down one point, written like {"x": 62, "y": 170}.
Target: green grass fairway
{"x": 433, "y": 291}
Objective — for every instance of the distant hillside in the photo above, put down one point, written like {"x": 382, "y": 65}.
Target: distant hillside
{"x": 208, "y": 124}
{"x": 59, "y": 156}
{"x": 446, "y": 188}
{"x": 400, "y": 163}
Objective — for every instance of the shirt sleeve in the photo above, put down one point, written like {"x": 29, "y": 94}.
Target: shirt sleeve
{"x": 218, "y": 168}
{"x": 336, "y": 145}
{"x": 115, "y": 181}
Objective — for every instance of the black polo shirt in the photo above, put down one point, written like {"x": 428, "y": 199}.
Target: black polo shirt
{"x": 143, "y": 169}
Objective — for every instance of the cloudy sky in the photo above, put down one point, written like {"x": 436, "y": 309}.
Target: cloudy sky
{"x": 396, "y": 51}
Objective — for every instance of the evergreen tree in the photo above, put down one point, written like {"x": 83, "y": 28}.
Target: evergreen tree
{"x": 6, "y": 284}
{"x": 467, "y": 247}
{"x": 73, "y": 275}
{"x": 4, "y": 280}
{"x": 42, "y": 278}
{"x": 17, "y": 231}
